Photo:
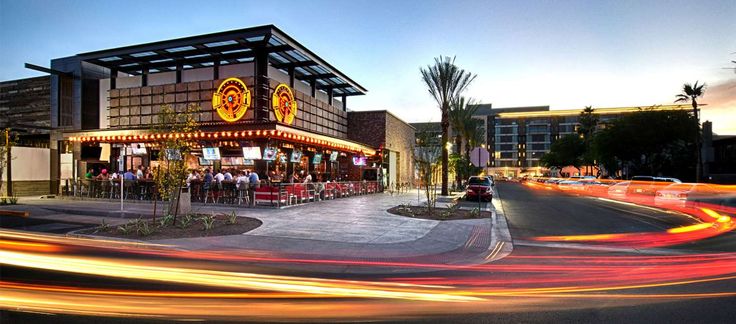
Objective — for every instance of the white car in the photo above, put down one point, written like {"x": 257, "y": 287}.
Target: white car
{"x": 619, "y": 190}
{"x": 677, "y": 194}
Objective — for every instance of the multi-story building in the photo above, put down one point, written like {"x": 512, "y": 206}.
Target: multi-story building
{"x": 256, "y": 88}
{"x": 517, "y": 137}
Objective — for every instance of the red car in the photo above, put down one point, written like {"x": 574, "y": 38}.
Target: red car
{"x": 479, "y": 187}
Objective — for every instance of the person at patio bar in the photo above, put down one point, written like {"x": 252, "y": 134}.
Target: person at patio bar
{"x": 103, "y": 175}
{"x": 90, "y": 174}
{"x": 242, "y": 179}
{"x": 129, "y": 175}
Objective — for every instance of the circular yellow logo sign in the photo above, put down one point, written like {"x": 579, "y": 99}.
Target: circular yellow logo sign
{"x": 231, "y": 100}
{"x": 284, "y": 104}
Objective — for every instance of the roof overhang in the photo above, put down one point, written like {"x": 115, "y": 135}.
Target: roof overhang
{"x": 223, "y": 48}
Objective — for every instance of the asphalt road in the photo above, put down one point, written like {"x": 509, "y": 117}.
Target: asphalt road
{"x": 532, "y": 213}
{"x": 540, "y": 212}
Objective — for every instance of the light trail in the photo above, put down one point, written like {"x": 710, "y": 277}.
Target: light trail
{"x": 236, "y": 284}
{"x": 515, "y": 283}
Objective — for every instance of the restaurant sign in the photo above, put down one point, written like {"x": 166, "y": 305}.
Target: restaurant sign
{"x": 231, "y": 100}
{"x": 284, "y": 104}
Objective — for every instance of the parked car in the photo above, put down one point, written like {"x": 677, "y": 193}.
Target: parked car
{"x": 619, "y": 190}
{"x": 569, "y": 184}
{"x": 479, "y": 188}
{"x": 594, "y": 187}
{"x": 643, "y": 188}
{"x": 677, "y": 194}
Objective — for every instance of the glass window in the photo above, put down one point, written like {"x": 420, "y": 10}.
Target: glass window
{"x": 537, "y": 128}
{"x": 65, "y": 101}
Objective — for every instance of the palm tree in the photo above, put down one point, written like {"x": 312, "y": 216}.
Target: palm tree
{"x": 461, "y": 111}
{"x": 588, "y": 122}
{"x": 445, "y": 82}
{"x": 691, "y": 93}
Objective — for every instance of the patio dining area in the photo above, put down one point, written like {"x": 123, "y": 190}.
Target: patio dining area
{"x": 224, "y": 193}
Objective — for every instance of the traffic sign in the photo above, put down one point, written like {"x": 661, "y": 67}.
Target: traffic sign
{"x": 479, "y": 157}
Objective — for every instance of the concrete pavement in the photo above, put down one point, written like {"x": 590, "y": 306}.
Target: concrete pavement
{"x": 355, "y": 228}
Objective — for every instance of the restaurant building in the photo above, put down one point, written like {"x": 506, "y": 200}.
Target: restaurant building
{"x": 266, "y": 103}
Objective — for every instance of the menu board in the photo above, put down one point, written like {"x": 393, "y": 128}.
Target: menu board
{"x": 211, "y": 153}
{"x": 138, "y": 149}
{"x": 333, "y": 156}
{"x": 252, "y": 153}
{"x": 269, "y": 153}
{"x": 359, "y": 160}
{"x": 229, "y": 160}
{"x": 296, "y": 156}
{"x": 203, "y": 162}
{"x": 317, "y": 158}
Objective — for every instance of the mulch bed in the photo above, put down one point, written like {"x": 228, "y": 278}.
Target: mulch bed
{"x": 438, "y": 213}
{"x": 195, "y": 229}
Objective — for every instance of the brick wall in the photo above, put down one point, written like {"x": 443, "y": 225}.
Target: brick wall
{"x": 368, "y": 127}
{"x": 382, "y": 129}
{"x": 400, "y": 138}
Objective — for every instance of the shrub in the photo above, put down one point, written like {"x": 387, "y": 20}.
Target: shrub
{"x": 185, "y": 221}
{"x": 475, "y": 212}
{"x": 208, "y": 222}
{"x": 104, "y": 227}
{"x": 142, "y": 228}
{"x": 166, "y": 220}
{"x": 232, "y": 219}
{"x": 126, "y": 229}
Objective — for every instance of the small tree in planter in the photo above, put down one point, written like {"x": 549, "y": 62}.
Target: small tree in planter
{"x": 426, "y": 158}
{"x": 172, "y": 171}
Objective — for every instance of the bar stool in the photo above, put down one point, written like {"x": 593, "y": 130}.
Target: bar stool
{"x": 212, "y": 191}
{"x": 243, "y": 194}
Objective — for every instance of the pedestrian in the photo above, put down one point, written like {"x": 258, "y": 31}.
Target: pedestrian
{"x": 139, "y": 173}
{"x": 90, "y": 174}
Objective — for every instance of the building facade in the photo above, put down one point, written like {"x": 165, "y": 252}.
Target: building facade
{"x": 25, "y": 115}
{"x": 255, "y": 88}
{"x": 517, "y": 137}
{"x": 394, "y": 139}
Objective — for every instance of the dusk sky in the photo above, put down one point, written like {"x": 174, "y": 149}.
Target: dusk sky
{"x": 566, "y": 54}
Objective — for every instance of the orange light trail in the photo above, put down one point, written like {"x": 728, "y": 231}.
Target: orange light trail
{"x": 514, "y": 283}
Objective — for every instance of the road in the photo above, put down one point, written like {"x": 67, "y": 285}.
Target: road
{"x": 551, "y": 276}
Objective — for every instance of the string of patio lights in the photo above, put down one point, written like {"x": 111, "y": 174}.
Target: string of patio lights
{"x": 216, "y": 135}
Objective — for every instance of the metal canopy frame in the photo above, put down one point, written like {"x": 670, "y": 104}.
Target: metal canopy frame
{"x": 230, "y": 47}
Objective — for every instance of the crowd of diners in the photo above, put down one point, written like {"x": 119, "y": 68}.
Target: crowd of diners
{"x": 226, "y": 185}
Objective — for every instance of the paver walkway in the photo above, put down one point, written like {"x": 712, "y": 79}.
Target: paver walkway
{"x": 354, "y": 228}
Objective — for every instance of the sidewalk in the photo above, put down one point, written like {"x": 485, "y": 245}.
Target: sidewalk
{"x": 355, "y": 228}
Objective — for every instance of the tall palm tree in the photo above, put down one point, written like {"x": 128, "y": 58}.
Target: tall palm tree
{"x": 445, "y": 82}
{"x": 588, "y": 122}
{"x": 691, "y": 93}
{"x": 473, "y": 132}
{"x": 461, "y": 111}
